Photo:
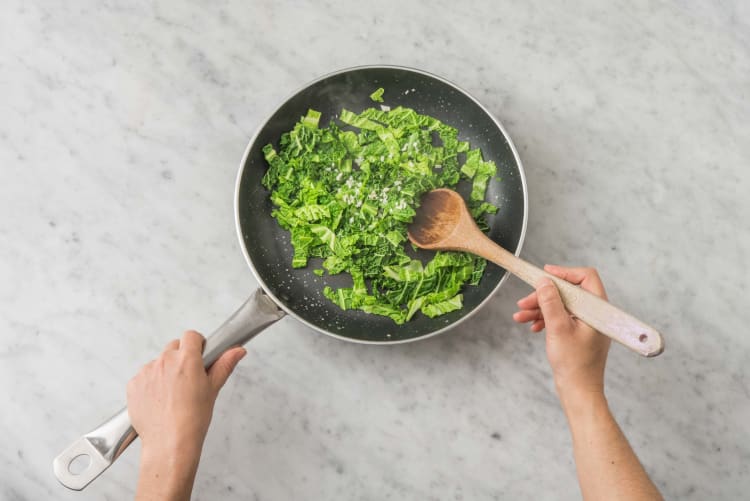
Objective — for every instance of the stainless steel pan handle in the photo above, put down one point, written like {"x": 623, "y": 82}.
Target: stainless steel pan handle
{"x": 101, "y": 446}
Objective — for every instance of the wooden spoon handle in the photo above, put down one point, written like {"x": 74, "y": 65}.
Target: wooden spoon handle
{"x": 588, "y": 307}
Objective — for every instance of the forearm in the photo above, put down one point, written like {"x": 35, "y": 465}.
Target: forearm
{"x": 606, "y": 464}
{"x": 167, "y": 476}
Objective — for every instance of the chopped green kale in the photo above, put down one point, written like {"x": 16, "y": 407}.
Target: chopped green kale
{"x": 347, "y": 192}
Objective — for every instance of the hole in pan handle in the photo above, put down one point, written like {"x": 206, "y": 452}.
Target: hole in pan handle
{"x": 104, "y": 444}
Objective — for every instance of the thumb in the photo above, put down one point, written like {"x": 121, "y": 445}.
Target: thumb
{"x": 555, "y": 315}
{"x": 223, "y": 367}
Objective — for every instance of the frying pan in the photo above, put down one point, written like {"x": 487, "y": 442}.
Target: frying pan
{"x": 298, "y": 292}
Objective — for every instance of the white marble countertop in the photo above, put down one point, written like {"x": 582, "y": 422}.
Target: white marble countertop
{"x": 122, "y": 127}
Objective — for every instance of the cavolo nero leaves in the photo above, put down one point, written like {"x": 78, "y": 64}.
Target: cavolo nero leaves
{"x": 346, "y": 193}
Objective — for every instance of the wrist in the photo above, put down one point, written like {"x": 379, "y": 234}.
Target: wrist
{"x": 176, "y": 461}
{"x": 172, "y": 444}
{"x": 576, "y": 397}
{"x": 167, "y": 473}
{"x": 579, "y": 383}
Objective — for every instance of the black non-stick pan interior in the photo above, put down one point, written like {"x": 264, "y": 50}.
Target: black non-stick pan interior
{"x": 268, "y": 246}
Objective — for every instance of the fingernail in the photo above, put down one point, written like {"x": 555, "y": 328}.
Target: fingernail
{"x": 244, "y": 352}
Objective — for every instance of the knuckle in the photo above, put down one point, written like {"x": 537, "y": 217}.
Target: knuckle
{"x": 546, "y": 294}
{"x": 194, "y": 336}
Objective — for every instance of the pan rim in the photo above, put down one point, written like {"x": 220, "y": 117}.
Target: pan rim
{"x": 289, "y": 311}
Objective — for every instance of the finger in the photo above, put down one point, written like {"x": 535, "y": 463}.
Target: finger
{"x": 192, "y": 342}
{"x": 529, "y": 302}
{"x": 572, "y": 275}
{"x": 537, "y": 326}
{"x": 524, "y": 316}
{"x": 147, "y": 367}
{"x": 223, "y": 367}
{"x": 131, "y": 387}
{"x": 137, "y": 380}
{"x": 555, "y": 315}
{"x": 587, "y": 278}
{"x": 172, "y": 345}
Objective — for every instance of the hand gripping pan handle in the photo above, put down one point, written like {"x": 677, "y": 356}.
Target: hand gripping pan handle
{"x": 104, "y": 444}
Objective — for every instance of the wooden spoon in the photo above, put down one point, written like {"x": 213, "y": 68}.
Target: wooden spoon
{"x": 444, "y": 223}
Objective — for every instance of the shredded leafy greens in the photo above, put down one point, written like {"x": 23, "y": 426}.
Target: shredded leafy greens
{"x": 347, "y": 193}
{"x": 377, "y": 96}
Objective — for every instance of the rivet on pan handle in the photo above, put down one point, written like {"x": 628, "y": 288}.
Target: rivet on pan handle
{"x": 103, "y": 445}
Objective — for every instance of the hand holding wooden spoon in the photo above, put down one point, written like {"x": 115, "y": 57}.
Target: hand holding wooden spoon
{"x": 443, "y": 223}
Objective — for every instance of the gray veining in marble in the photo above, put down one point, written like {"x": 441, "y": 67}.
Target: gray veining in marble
{"x": 121, "y": 127}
